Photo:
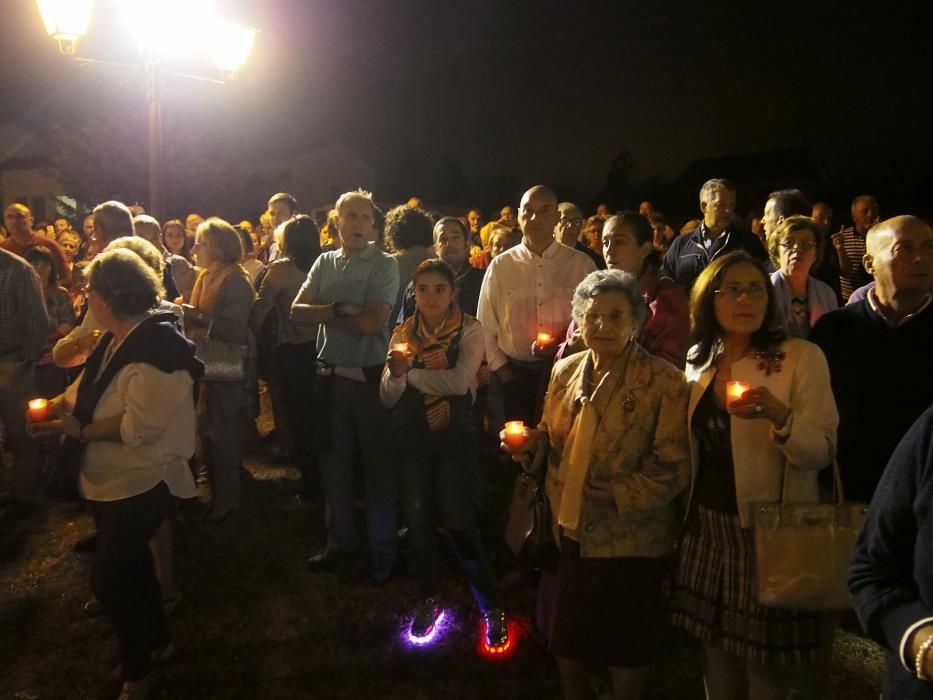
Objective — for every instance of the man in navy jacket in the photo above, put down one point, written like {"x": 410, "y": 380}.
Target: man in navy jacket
{"x": 691, "y": 252}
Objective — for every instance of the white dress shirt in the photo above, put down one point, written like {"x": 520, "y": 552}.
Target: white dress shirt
{"x": 157, "y": 435}
{"x": 524, "y": 294}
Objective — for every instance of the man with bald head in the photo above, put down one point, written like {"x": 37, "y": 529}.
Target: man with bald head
{"x": 879, "y": 351}
{"x": 527, "y": 291}
{"x": 18, "y": 221}
{"x": 567, "y": 232}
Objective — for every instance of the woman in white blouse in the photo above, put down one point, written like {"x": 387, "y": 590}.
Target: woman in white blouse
{"x": 429, "y": 384}
{"x": 129, "y": 426}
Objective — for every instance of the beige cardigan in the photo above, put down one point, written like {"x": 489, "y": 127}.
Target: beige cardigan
{"x": 640, "y": 460}
{"x": 801, "y": 381}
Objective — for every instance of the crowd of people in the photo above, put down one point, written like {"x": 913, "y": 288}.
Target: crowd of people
{"x": 394, "y": 346}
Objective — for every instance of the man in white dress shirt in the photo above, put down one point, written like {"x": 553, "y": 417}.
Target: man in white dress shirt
{"x": 527, "y": 292}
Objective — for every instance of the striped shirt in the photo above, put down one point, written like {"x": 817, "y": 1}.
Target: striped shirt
{"x": 855, "y": 275}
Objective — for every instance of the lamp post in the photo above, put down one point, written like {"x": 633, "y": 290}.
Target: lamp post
{"x": 229, "y": 45}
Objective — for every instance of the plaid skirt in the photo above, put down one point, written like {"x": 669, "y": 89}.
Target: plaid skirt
{"x": 713, "y": 598}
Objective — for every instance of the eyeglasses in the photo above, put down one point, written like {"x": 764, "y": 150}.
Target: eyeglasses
{"x": 755, "y": 291}
{"x": 798, "y": 245}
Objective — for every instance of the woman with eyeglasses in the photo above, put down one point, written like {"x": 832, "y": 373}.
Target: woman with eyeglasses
{"x": 801, "y": 298}
{"x": 741, "y": 439}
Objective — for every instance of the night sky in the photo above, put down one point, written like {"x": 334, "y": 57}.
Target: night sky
{"x": 538, "y": 91}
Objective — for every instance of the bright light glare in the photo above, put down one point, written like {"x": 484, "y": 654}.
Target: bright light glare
{"x": 229, "y": 44}
{"x": 66, "y": 20}
{"x": 167, "y": 27}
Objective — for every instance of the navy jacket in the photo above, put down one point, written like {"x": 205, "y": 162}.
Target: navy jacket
{"x": 688, "y": 257}
{"x": 891, "y": 574}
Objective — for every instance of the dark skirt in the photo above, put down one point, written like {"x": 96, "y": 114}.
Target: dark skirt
{"x": 713, "y": 598}
{"x": 608, "y": 610}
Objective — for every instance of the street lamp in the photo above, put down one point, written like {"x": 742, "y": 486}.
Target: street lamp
{"x": 159, "y": 27}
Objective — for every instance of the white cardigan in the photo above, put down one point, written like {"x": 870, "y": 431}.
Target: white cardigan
{"x": 759, "y": 453}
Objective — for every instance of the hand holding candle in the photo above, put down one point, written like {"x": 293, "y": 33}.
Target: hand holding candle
{"x": 38, "y": 411}
{"x": 544, "y": 345}
{"x": 514, "y": 434}
{"x": 734, "y": 392}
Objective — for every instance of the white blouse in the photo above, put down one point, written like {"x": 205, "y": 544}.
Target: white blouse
{"x": 157, "y": 432}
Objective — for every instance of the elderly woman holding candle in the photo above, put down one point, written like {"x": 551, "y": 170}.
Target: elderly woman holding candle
{"x": 761, "y": 410}
{"x": 129, "y": 427}
{"x": 614, "y": 438}
{"x": 801, "y": 298}
{"x": 430, "y": 383}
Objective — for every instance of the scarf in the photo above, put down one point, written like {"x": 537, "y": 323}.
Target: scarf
{"x": 578, "y": 449}
{"x": 206, "y": 290}
{"x": 430, "y": 351}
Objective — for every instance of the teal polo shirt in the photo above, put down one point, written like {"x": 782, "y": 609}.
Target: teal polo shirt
{"x": 356, "y": 279}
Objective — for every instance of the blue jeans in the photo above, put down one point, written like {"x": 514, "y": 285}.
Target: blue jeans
{"x": 358, "y": 418}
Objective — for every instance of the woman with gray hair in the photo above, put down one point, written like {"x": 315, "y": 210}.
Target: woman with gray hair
{"x": 614, "y": 438}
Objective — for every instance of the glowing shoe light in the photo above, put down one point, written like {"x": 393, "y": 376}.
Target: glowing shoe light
{"x": 500, "y": 651}
{"x": 431, "y": 636}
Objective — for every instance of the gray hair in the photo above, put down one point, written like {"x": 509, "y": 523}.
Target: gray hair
{"x": 359, "y": 195}
{"x": 601, "y": 281}
{"x": 715, "y": 185}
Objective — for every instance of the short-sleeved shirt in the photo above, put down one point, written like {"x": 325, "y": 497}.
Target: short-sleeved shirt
{"x": 357, "y": 279}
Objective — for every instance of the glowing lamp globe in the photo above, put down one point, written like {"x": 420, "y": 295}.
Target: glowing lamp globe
{"x": 229, "y": 45}
{"x": 66, "y": 21}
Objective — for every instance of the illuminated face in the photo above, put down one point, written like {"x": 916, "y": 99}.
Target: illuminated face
{"x": 602, "y": 211}
{"x": 797, "y": 252}
{"x": 864, "y": 215}
{"x": 18, "y": 220}
{"x": 607, "y": 324}
{"x": 204, "y": 251}
{"x": 741, "y": 300}
{"x": 88, "y": 226}
{"x": 769, "y": 220}
{"x": 449, "y": 244}
{"x": 280, "y": 213}
{"x": 506, "y": 214}
{"x": 355, "y": 224}
{"x": 718, "y": 209}
{"x": 62, "y": 225}
{"x": 537, "y": 215}
{"x": 174, "y": 239}
{"x": 475, "y": 220}
{"x": 433, "y": 294}
{"x": 645, "y": 208}
{"x": 622, "y": 250}
{"x": 569, "y": 224}
{"x": 69, "y": 243}
{"x": 499, "y": 244}
{"x": 905, "y": 260}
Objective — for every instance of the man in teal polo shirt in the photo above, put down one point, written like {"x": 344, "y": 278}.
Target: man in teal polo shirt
{"x": 350, "y": 293}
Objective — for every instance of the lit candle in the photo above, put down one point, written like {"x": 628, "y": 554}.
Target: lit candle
{"x": 515, "y": 433}
{"x": 400, "y": 347}
{"x": 734, "y": 391}
{"x": 544, "y": 339}
{"x": 38, "y": 410}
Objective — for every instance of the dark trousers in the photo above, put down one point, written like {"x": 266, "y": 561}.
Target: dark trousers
{"x": 523, "y": 397}
{"x": 438, "y": 476}
{"x": 295, "y": 364}
{"x": 123, "y": 577}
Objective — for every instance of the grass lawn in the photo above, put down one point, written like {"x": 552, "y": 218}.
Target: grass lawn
{"x": 254, "y": 623}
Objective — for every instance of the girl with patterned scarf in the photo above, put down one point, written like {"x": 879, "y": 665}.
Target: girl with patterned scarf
{"x": 429, "y": 383}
